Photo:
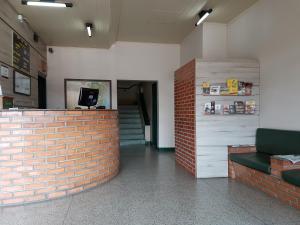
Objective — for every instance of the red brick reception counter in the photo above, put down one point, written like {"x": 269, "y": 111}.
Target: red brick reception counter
{"x": 50, "y": 154}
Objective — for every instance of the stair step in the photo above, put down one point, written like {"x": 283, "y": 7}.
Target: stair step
{"x": 130, "y": 115}
{"x": 131, "y": 131}
{"x": 132, "y": 137}
{"x": 130, "y": 121}
{"x": 131, "y": 126}
{"x": 132, "y": 142}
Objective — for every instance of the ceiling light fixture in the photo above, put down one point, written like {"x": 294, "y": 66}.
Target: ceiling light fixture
{"x": 89, "y": 27}
{"x": 203, "y": 15}
{"x": 48, "y": 3}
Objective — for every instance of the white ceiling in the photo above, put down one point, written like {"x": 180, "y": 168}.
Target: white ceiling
{"x": 158, "y": 21}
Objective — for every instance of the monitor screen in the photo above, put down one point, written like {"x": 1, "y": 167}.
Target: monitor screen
{"x": 88, "y": 97}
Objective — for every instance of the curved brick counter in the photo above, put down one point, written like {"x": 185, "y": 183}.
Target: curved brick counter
{"x": 50, "y": 154}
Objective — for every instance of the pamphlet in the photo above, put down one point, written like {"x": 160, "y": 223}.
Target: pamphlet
{"x": 207, "y": 108}
{"x": 233, "y": 86}
{"x": 239, "y": 107}
{"x": 206, "y": 88}
{"x": 218, "y": 109}
{"x": 226, "y": 109}
{"x": 250, "y": 107}
{"x": 215, "y": 90}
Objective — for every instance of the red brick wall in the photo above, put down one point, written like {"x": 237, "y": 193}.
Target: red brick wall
{"x": 50, "y": 154}
{"x": 185, "y": 121}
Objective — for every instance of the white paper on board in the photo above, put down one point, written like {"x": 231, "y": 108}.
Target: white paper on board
{"x": 4, "y": 72}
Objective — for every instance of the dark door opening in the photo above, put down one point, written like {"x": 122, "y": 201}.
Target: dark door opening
{"x": 42, "y": 91}
{"x": 138, "y": 112}
{"x": 154, "y": 115}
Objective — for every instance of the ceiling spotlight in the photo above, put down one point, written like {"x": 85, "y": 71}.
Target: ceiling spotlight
{"x": 47, "y": 3}
{"x": 89, "y": 28}
{"x": 203, "y": 15}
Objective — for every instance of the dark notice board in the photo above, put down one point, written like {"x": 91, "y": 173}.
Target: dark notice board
{"x": 21, "y": 54}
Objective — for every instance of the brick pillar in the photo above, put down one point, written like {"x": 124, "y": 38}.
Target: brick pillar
{"x": 185, "y": 121}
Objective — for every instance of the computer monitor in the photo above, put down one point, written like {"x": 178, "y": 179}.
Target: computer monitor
{"x": 88, "y": 97}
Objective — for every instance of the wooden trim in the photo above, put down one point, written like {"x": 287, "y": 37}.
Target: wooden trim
{"x": 35, "y": 49}
{"x": 15, "y": 68}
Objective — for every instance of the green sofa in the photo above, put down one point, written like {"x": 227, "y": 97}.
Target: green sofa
{"x": 292, "y": 177}
{"x": 269, "y": 142}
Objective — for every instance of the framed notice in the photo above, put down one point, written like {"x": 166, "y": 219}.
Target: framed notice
{"x": 21, "y": 54}
{"x": 72, "y": 90}
{"x": 22, "y": 83}
{"x": 4, "y": 71}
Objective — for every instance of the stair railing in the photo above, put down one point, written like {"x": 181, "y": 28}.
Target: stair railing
{"x": 143, "y": 108}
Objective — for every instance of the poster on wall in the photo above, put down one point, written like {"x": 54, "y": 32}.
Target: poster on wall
{"x": 21, "y": 54}
{"x": 22, "y": 84}
{"x": 72, "y": 90}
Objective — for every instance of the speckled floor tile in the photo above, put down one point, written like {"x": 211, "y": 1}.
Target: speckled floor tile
{"x": 152, "y": 190}
{"x": 255, "y": 202}
{"x": 45, "y": 213}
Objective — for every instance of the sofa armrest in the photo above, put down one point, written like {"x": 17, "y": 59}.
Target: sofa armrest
{"x": 237, "y": 149}
{"x": 241, "y": 149}
{"x": 278, "y": 165}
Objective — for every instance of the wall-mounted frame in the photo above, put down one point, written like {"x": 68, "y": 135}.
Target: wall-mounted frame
{"x": 4, "y": 71}
{"x": 72, "y": 89}
{"x": 21, "y": 53}
{"x": 22, "y": 83}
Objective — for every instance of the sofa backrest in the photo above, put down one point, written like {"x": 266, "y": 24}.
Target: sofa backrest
{"x": 278, "y": 142}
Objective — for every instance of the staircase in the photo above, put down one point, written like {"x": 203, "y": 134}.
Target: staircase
{"x": 131, "y": 127}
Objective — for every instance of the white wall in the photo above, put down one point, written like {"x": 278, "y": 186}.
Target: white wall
{"x": 269, "y": 31}
{"x": 124, "y": 61}
{"x": 208, "y": 41}
{"x": 214, "y": 41}
{"x": 192, "y": 46}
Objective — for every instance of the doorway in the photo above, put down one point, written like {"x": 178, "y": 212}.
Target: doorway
{"x": 154, "y": 129}
{"x": 42, "y": 91}
{"x": 138, "y": 111}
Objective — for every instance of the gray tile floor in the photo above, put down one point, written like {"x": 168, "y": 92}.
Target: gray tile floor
{"x": 152, "y": 190}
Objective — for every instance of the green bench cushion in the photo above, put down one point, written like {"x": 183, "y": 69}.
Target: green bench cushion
{"x": 278, "y": 142}
{"x": 256, "y": 160}
{"x": 292, "y": 177}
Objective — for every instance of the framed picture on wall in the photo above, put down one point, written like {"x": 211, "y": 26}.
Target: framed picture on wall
{"x": 22, "y": 83}
{"x": 21, "y": 53}
{"x": 72, "y": 90}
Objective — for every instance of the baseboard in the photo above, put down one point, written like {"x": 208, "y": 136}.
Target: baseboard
{"x": 166, "y": 149}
